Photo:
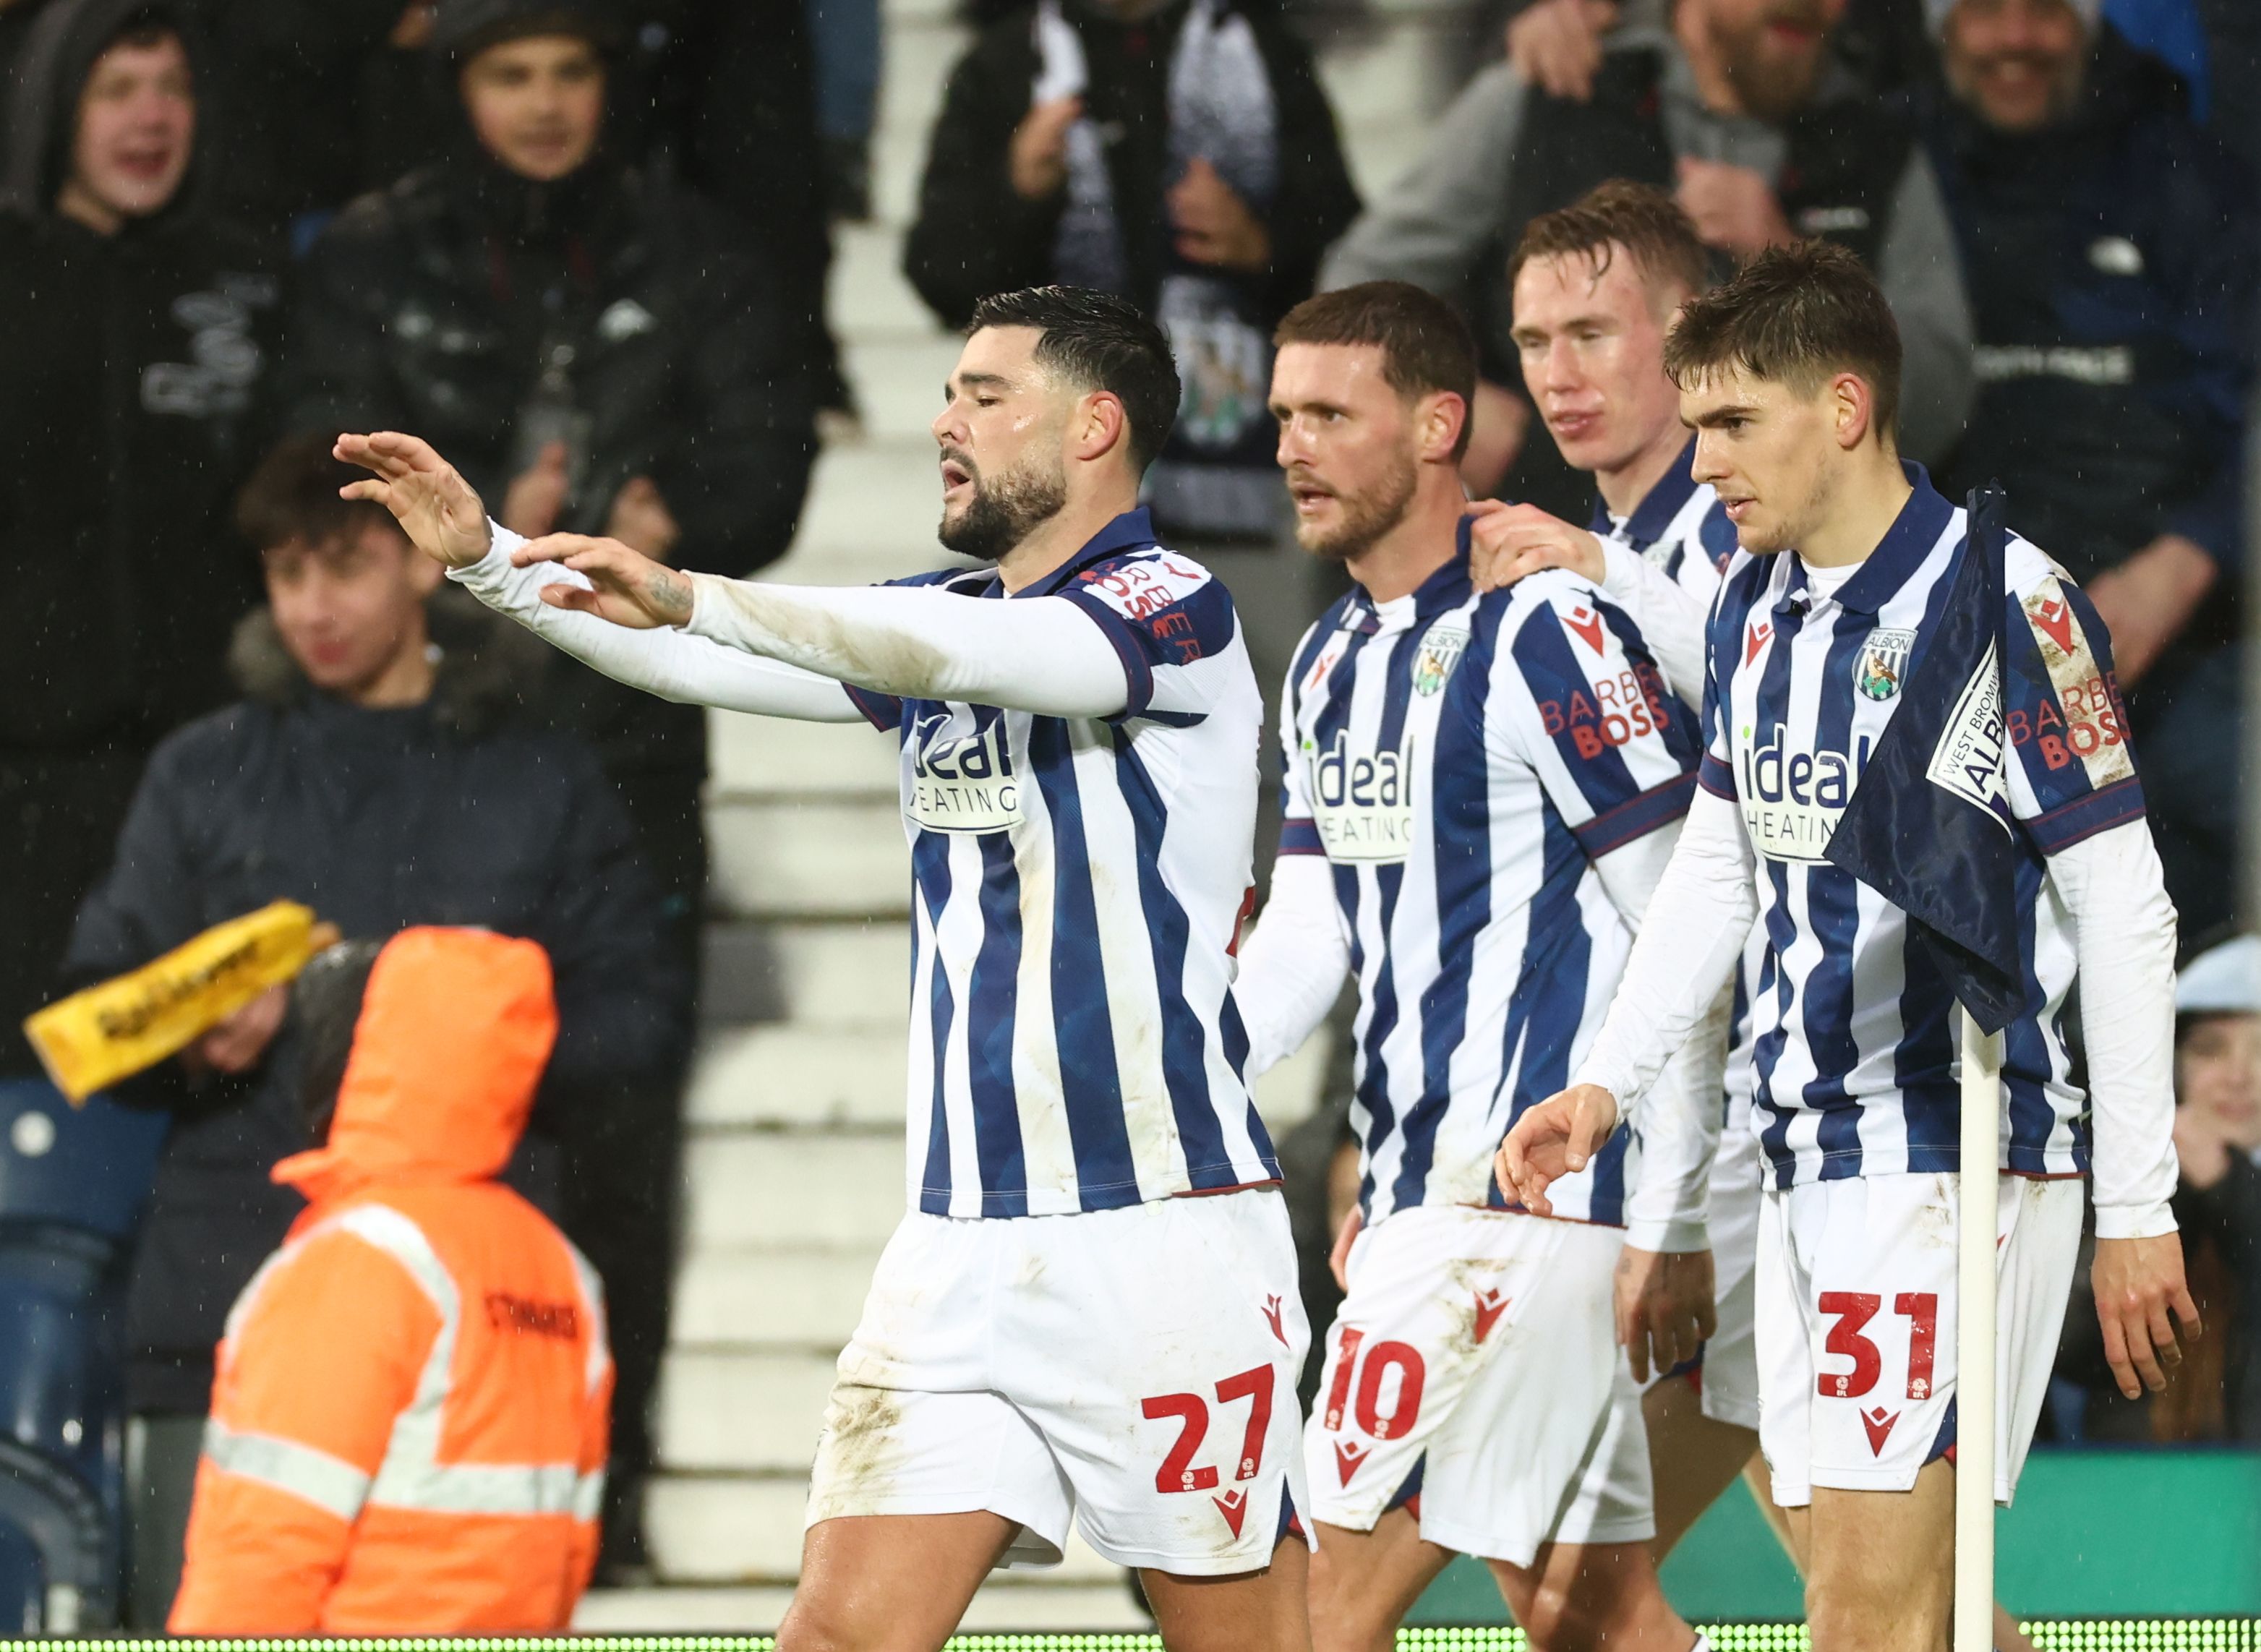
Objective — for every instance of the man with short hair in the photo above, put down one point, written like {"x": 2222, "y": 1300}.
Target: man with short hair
{"x": 1058, "y": 1334}
{"x": 2112, "y": 251}
{"x": 1744, "y": 110}
{"x": 1481, "y": 790}
{"x": 380, "y": 768}
{"x": 1789, "y": 374}
{"x": 139, "y": 339}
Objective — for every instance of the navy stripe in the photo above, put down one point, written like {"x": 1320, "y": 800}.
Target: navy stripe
{"x": 1300, "y": 836}
{"x": 1557, "y": 680}
{"x": 1090, "y": 1084}
{"x": 1392, "y": 659}
{"x": 930, "y": 882}
{"x": 1716, "y": 777}
{"x": 1455, "y": 779}
{"x": 992, "y": 986}
{"x": 2025, "y": 1050}
{"x": 1766, "y": 1049}
{"x": 883, "y": 712}
{"x": 1185, "y": 1071}
{"x": 1637, "y": 816}
{"x": 1769, "y": 714}
{"x": 2084, "y": 816}
{"x": 1674, "y": 719}
{"x": 1138, "y": 673}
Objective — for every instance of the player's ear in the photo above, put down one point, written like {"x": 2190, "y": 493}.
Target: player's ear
{"x": 1852, "y": 409}
{"x": 1099, "y": 427}
{"x": 1437, "y": 420}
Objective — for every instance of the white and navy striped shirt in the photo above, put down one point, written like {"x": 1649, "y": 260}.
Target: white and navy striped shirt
{"x": 1077, "y": 884}
{"x": 1679, "y": 527}
{"x": 1854, "y": 1053}
{"x": 1462, "y": 762}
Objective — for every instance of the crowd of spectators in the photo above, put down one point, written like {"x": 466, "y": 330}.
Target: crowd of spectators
{"x": 582, "y": 245}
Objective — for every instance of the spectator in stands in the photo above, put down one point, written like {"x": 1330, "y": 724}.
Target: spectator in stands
{"x": 2113, "y": 253}
{"x": 138, "y": 331}
{"x": 1744, "y": 108}
{"x": 408, "y": 1416}
{"x": 1181, "y": 154}
{"x": 1557, "y": 44}
{"x": 379, "y": 768}
{"x": 2218, "y": 1139}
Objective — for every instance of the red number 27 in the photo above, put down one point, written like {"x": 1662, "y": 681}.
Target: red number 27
{"x": 1177, "y": 1472}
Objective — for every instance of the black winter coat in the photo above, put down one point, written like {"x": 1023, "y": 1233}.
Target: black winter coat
{"x": 975, "y": 235}
{"x": 2114, "y": 263}
{"x": 453, "y": 812}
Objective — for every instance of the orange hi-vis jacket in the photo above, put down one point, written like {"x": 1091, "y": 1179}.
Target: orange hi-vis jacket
{"x": 409, "y": 1416}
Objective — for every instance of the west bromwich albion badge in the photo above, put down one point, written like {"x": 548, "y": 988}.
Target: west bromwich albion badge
{"x": 1883, "y": 662}
{"x": 1440, "y": 652}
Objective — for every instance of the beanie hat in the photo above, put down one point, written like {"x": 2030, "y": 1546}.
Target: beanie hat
{"x": 462, "y": 28}
{"x": 2223, "y": 980}
{"x": 1936, "y": 13}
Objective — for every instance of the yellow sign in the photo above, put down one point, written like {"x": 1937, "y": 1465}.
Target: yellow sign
{"x": 113, "y": 1030}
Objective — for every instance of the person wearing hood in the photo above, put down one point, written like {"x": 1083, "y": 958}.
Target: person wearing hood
{"x": 137, "y": 335}
{"x": 382, "y": 770}
{"x": 2112, "y": 252}
{"x": 408, "y": 1423}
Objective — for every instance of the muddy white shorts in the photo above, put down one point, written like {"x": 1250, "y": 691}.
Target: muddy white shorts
{"x": 1473, "y": 1375}
{"x": 1857, "y": 1349}
{"x": 1132, "y": 1371}
{"x": 1727, "y": 1373}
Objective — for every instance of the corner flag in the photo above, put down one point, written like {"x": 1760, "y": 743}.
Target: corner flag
{"x": 1928, "y": 826}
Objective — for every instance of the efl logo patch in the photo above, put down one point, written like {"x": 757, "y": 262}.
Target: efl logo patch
{"x": 1440, "y": 652}
{"x": 1882, "y": 665}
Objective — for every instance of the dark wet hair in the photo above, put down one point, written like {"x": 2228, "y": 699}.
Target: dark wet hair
{"x": 1102, "y": 342}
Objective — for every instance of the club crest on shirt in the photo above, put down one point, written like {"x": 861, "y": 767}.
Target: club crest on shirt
{"x": 1440, "y": 652}
{"x": 1882, "y": 663}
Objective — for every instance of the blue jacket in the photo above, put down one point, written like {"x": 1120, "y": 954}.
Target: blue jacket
{"x": 2114, "y": 263}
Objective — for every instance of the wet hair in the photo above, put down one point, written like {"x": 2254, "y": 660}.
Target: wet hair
{"x": 325, "y": 1003}
{"x": 292, "y": 497}
{"x": 149, "y": 26}
{"x": 1639, "y": 218}
{"x": 1426, "y": 347}
{"x": 1794, "y": 315}
{"x": 1101, "y": 342}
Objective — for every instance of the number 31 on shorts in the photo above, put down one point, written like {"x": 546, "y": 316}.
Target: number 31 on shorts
{"x": 1853, "y": 1309}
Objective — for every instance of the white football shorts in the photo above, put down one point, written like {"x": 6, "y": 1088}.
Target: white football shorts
{"x": 1857, "y": 1303}
{"x": 1476, "y": 1351}
{"x": 1131, "y": 1371}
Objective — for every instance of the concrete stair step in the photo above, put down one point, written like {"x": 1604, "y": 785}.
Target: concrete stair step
{"x": 706, "y": 1424}
{"x": 872, "y": 514}
{"x": 746, "y": 1529}
{"x": 771, "y": 1297}
{"x": 792, "y": 859}
{"x": 775, "y": 757}
{"x": 870, "y": 300}
{"x": 1005, "y": 1605}
{"x": 804, "y": 1076}
{"x": 899, "y": 384}
{"x": 839, "y": 974}
{"x": 791, "y": 1187}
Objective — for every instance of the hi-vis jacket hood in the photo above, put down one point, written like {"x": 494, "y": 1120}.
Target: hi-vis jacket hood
{"x": 456, "y": 1028}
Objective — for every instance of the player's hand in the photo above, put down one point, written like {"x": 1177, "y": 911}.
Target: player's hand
{"x": 237, "y": 1044}
{"x": 1510, "y": 540}
{"x": 641, "y": 519}
{"x": 1338, "y": 1258}
{"x": 1665, "y": 1307}
{"x": 1554, "y": 1140}
{"x": 625, "y": 587}
{"x": 1213, "y": 225}
{"x": 531, "y": 503}
{"x": 1037, "y": 160}
{"x": 1556, "y": 44}
{"x": 435, "y": 507}
{"x": 1734, "y": 207}
{"x": 2137, "y": 1282}
{"x": 1498, "y": 425}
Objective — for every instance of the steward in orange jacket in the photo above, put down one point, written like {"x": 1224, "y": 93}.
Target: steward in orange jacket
{"x": 408, "y": 1427}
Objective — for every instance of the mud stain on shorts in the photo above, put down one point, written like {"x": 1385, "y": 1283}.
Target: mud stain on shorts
{"x": 861, "y": 1448}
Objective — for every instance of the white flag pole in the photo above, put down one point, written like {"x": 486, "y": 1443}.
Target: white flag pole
{"x": 1974, "y": 1341}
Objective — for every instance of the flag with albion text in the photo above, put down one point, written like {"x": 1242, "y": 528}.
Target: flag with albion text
{"x": 1928, "y": 826}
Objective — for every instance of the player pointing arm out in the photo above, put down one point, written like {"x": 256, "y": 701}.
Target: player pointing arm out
{"x": 1055, "y": 1336}
{"x": 1788, "y": 375}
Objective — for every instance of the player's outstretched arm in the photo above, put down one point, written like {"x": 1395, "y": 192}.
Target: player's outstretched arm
{"x": 436, "y": 507}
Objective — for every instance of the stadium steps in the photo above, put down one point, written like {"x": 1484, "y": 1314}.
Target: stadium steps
{"x": 793, "y": 1172}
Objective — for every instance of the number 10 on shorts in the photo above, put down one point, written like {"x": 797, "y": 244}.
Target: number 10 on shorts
{"x": 1177, "y": 1472}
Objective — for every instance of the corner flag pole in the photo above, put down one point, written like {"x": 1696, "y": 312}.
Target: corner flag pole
{"x": 1974, "y": 1341}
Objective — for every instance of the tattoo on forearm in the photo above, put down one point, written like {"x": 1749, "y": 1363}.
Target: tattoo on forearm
{"x": 670, "y": 595}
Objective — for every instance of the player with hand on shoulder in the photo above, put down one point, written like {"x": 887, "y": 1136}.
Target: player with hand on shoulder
{"x": 1056, "y": 1334}
{"x": 1789, "y": 374}
{"x": 1482, "y": 792}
